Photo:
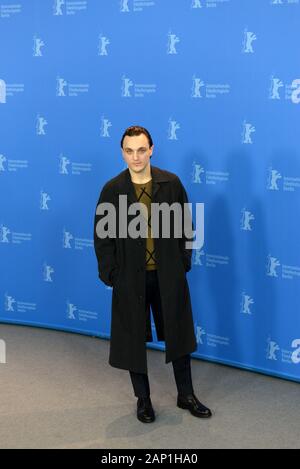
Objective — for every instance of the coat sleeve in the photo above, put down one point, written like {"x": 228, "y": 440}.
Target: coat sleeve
{"x": 185, "y": 252}
{"x": 105, "y": 248}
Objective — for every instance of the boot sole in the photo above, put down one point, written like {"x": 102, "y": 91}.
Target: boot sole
{"x": 146, "y": 421}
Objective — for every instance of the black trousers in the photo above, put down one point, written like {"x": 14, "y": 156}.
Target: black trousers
{"x": 181, "y": 366}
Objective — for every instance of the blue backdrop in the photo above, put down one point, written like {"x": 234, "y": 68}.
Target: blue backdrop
{"x": 217, "y": 83}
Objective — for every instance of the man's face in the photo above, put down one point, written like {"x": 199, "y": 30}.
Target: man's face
{"x": 136, "y": 152}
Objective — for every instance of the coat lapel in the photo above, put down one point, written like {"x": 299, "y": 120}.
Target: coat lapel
{"x": 126, "y": 186}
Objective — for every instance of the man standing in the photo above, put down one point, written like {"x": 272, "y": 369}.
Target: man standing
{"x": 146, "y": 271}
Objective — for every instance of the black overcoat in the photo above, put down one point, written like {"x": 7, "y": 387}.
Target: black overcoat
{"x": 121, "y": 265}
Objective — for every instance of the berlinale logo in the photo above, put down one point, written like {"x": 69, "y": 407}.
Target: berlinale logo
{"x": 2, "y": 91}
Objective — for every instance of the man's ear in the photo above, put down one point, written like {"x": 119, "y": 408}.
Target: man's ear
{"x": 152, "y": 150}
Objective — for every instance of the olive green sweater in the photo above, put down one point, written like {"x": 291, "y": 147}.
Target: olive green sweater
{"x": 144, "y": 194}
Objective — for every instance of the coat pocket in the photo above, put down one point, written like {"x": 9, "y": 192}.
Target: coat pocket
{"x": 114, "y": 274}
{"x": 115, "y": 279}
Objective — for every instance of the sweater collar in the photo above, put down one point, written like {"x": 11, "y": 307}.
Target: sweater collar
{"x": 126, "y": 186}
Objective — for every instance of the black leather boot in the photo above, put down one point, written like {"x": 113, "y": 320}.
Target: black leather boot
{"x": 145, "y": 412}
{"x": 191, "y": 403}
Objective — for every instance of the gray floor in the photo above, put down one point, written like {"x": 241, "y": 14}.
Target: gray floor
{"x": 58, "y": 391}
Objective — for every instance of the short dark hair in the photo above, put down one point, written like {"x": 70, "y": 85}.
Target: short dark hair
{"x": 135, "y": 130}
